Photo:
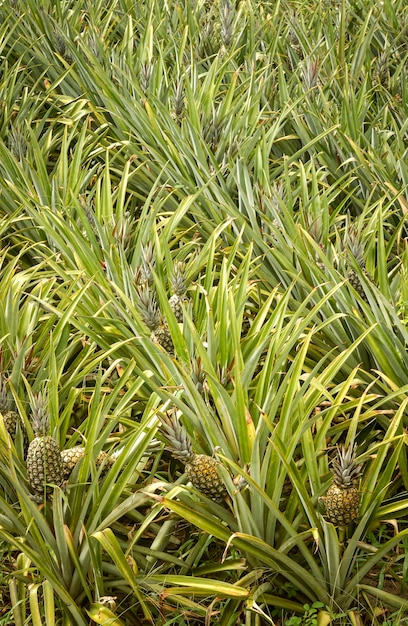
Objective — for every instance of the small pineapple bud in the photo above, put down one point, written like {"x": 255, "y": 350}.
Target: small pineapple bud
{"x": 179, "y": 288}
{"x": 17, "y": 142}
{"x": 314, "y": 227}
{"x": 145, "y": 74}
{"x": 310, "y": 73}
{"x": 355, "y": 249}
{"x": 178, "y": 102}
{"x": 148, "y": 307}
{"x": 178, "y": 280}
{"x": 227, "y": 15}
{"x": 123, "y": 229}
{"x": 212, "y": 131}
{"x": 145, "y": 271}
{"x": 151, "y": 316}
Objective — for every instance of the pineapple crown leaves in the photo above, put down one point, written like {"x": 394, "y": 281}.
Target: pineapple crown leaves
{"x": 144, "y": 275}
{"x": 353, "y": 244}
{"x": 39, "y": 415}
{"x": 314, "y": 227}
{"x": 345, "y": 468}
{"x": 175, "y": 436}
{"x": 178, "y": 100}
{"x": 178, "y": 279}
{"x": 356, "y": 249}
{"x": 148, "y": 307}
{"x": 148, "y": 254}
{"x": 353, "y": 247}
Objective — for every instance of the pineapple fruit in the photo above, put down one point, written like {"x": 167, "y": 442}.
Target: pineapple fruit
{"x": 12, "y": 420}
{"x": 71, "y": 456}
{"x": 343, "y": 497}
{"x": 200, "y": 469}
{"x": 152, "y": 317}
{"x": 179, "y": 287}
{"x": 44, "y": 464}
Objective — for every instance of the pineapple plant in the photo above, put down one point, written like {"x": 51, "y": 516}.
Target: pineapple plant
{"x": 12, "y": 420}
{"x": 355, "y": 249}
{"x": 153, "y": 319}
{"x": 71, "y": 456}
{"x": 44, "y": 464}
{"x": 200, "y": 469}
{"x": 343, "y": 497}
{"x": 179, "y": 287}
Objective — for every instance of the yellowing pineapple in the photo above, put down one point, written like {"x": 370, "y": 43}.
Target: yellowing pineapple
{"x": 44, "y": 465}
{"x": 200, "y": 469}
{"x": 342, "y": 500}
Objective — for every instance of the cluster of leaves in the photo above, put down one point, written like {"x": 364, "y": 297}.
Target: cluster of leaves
{"x": 246, "y": 140}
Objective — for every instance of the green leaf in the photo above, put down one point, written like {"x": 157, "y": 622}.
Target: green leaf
{"x": 199, "y": 586}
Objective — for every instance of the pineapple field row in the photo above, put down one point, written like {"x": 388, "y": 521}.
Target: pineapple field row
{"x": 204, "y": 312}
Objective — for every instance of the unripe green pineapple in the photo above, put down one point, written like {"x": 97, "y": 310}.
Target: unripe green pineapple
{"x": 44, "y": 464}
{"x": 12, "y": 420}
{"x": 342, "y": 500}
{"x": 179, "y": 288}
{"x": 200, "y": 469}
{"x": 162, "y": 337}
{"x": 71, "y": 456}
{"x": 151, "y": 316}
